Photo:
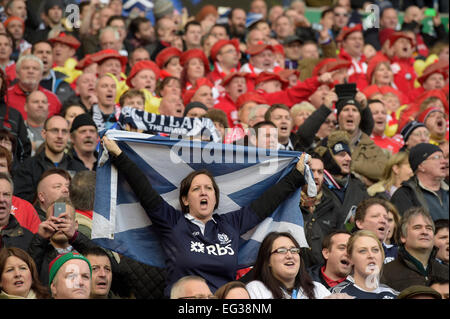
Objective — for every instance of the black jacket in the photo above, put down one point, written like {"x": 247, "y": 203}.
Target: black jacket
{"x": 27, "y": 175}
{"x": 411, "y": 194}
{"x": 14, "y": 235}
{"x": 321, "y": 222}
{"x": 12, "y": 120}
{"x": 354, "y": 194}
{"x": 43, "y": 252}
{"x": 56, "y": 84}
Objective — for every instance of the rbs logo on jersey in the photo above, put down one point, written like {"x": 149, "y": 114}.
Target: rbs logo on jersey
{"x": 215, "y": 249}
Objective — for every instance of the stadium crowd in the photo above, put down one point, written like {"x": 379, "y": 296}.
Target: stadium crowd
{"x": 365, "y": 95}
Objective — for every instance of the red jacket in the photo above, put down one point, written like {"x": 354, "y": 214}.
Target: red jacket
{"x": 16, "y": 98}
{"x": 404, "y": 73}
{"x": 357, "y": 72}
{"x": 292, "y": 95}
{"x": 386, "y": 143}
{"x": 226, "y": 104}
{"x": 25, "y": 214}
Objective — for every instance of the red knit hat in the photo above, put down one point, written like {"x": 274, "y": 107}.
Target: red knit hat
{"x": 101, "y": 56}
{"x": 189, "y": 94}
{"x": 398, "y": 35}
{"x": 220, "y": 44}
{"x": 14, "y": 18}
{"x": 194, "y": 53}
{"x": 251, "y": 96}
{"x": 165, "y": 55}
{"x": 346, "y": 31}
{"x": 422, "y": 117}
{"x": 437, "y": 67}
{"x": 142, "y": 65}
{"x": 258, "y": 48}
{"x": 66, "y": 39}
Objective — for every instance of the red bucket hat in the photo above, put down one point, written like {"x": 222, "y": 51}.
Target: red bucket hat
{"x": 220, "y": 44}
{"x": 66, "y": 39}
{"x": 189, "y": 94}
{"x": 329, "y": 65}
{"x": 398, "y": 35}
{"x": 258, "y": 48}
{"x": 142, "y": 65}
{"x": 251, "y": 96}
{"x": 101, "y": 56}
{"x": 346, "y": 31}
{"x": 227, "y": 79}
{"x": 269, "y": 76}
{"x": 165, "y": 55}
{"x": 194, "y": 53}
{"x": 437, "y": 67}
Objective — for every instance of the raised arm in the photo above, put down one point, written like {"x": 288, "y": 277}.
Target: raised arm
{"x": 156, "y": 208}
{"x": 268, "y": 202}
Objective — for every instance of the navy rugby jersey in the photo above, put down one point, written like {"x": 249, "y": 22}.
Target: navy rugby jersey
{"x": 350, "y": 288}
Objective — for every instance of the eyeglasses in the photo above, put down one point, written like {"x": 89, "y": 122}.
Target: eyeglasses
{"x": 200, "y": 297}
{"x": 436, "y": 157}
{"x": 284, "y": 250}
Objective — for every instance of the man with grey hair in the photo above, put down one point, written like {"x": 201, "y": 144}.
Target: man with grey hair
{"x": 29, "y": 70}
{"x": 109, "y": 38}
{"x": 191, "y": 287}
{"x": 415, "y": 263}
{"x": 11, "y": 233}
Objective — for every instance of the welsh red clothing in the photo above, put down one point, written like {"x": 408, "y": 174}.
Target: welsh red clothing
{"x": 217, "y": 75}
{"x": 404, "y": 73}
{"x": 226, "y": 104}
{"x": 25, "y": 214}
{"x": 357, "y": 72}
{"x": 292, "y": 95}
{"x": 386, "y": 143}
{"x": 330, "y": 282}
{"x": 10, "y": 72}
{"x": 16, "y": 98}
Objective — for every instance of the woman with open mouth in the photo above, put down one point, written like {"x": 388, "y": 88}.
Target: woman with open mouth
{"x": 196, "y": 240}
{"x": 366, "y": 256}
{"x": 19, "y": 278}
{"x": 280, "y": 273}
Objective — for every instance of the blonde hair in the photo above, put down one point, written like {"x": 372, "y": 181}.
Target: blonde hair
{"x": 362, "y": 233}
{"x": 388, "y": 176}
{"x": 303, "y": 106}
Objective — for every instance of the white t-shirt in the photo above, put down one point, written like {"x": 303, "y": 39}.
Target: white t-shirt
{"x": 258, "y": 290}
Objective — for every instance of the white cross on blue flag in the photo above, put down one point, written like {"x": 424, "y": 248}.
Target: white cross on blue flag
{"x": 242, "y": 174}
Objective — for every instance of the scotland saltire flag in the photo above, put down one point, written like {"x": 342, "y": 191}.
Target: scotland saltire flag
{"x": 242, "y": 174}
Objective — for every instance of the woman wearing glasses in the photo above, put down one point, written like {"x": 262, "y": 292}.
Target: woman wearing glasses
{"x": 280, "y": 273}
{"x": 196, "y": 240}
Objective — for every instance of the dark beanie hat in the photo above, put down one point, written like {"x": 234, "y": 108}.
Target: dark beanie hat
{"x": 193, "y": 105}
{"x": 82, "y": 120}
{"x": 52, "y": 3}
{"x": 420, "y": 153}
{"x": 409, "y": 128}
{"x": 341, "y": 103}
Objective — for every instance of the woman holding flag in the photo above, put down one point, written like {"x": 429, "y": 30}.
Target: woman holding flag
{"x": 196, "y": 240}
